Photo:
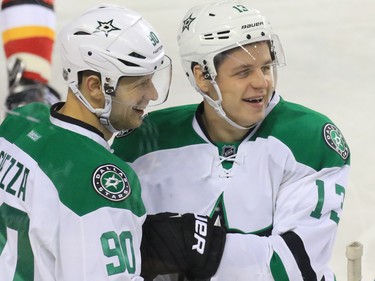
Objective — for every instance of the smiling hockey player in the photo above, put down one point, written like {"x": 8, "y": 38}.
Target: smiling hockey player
{"x": 273, "y": 171}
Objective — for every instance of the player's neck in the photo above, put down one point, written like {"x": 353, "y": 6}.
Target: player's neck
{"x": 219, "y": 130}
{"x": 75, "y": 109}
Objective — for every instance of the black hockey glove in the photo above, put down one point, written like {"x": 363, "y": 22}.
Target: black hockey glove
{"x": 187, "y": 244}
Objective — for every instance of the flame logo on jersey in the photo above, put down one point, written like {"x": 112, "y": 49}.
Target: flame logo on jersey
{"x": 335, "y": 140}
{"x": 111, "y": 182}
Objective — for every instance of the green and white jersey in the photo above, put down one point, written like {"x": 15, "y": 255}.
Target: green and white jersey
{"x": 69, "y": 209}
{"x": 281, "y": 199}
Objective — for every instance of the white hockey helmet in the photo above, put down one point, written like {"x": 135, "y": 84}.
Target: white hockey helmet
{"x": 210, "y": 29}
{"x": 115, "y": 42}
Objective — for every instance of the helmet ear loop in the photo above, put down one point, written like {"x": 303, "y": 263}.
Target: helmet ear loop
{"x": 108, "y": 87}
{"x": 201, "y": 71}
{"x": 216, "y": 104}
{"x": 200, "y": 75}
{"x": 206, "y": 73}
{"x": 109, "y": 91}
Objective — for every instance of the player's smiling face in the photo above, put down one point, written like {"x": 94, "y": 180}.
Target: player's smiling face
{"x": 132, "y": 96}
{"x": 245, "y": 78}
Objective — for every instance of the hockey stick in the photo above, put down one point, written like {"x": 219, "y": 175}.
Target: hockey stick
{"x": 354, "y": 252}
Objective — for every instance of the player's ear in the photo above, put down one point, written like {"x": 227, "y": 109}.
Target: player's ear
{"x": 203, "y": 83}
{"x": 93, "y": 87}
{"x": 93, "y": 83}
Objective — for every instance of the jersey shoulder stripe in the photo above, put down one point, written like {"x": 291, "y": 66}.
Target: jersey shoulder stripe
{"x": 312, "y": 137}
{"x": 162, "y": 129}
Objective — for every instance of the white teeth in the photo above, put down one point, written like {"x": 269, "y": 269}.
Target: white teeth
{"x": 255, "y": 100}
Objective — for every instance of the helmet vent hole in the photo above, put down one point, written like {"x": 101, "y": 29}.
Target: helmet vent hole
{"x": 136, "y": 55}
{"x": 128, "y": 63}
{"x": 208, "y": 36}
{"x": 225, "y": 33}
{"x": 219, "y": 35}
{"x": 81, "y": 33}
{"x": 212, "y": 15}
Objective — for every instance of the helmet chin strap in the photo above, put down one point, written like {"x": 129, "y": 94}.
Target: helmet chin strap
{"x": 101, "y": 113}
{"x": 216, "y": 105}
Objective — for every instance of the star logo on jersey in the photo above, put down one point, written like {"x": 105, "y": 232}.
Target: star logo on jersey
{"x": 187, "y": 22}
{"x": 335, "y": 140}
{"x": 124, "y": 133}
{"x": 111, "y": 182}
{"x": 106, "y": 27}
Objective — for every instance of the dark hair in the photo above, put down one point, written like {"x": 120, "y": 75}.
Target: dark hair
{"x": 218, "y": 60}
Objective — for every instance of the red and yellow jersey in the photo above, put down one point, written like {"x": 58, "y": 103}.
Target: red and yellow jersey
{"x": 28, "y": 32}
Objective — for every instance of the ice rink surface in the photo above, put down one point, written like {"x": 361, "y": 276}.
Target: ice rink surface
{"x": 330, "y": 51}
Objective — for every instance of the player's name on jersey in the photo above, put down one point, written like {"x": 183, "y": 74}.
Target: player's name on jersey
{"x": 13, "y": 176}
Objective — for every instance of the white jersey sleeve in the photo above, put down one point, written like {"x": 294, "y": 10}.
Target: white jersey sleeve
{"x": 305, "y": 210}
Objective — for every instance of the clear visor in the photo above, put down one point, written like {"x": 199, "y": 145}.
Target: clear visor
{"x": 162, "y": 81}
{"x": 255, "y": 61}
{"x": 265, "y": 55}
{"x": 147, "y": 90}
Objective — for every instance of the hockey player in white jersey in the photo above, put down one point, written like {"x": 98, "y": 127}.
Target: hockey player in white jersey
{"x": 69, "y": 208}
{"x": 275, "y": 172}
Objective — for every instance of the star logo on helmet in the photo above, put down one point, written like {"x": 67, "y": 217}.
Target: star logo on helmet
{"x": 187, "y": 23}
{"x": 106, "y": 27}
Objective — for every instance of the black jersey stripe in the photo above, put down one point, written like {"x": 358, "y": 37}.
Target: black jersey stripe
{"x": 264, "y": 233}
{"x": 296, "y": 246}
{"x": 21, "y": 2}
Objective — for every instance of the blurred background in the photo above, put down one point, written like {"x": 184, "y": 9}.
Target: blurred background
{"x": 329, "y": 47}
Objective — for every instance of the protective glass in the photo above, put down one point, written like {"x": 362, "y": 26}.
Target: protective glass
{"x": 255, "y": 53}
{"x": 250, "y": 61}
{"x": 147, "y": 90}
{"x": 162, "y": 81}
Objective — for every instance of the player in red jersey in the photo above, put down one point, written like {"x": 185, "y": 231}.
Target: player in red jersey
{"x": 28, "y": 34}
